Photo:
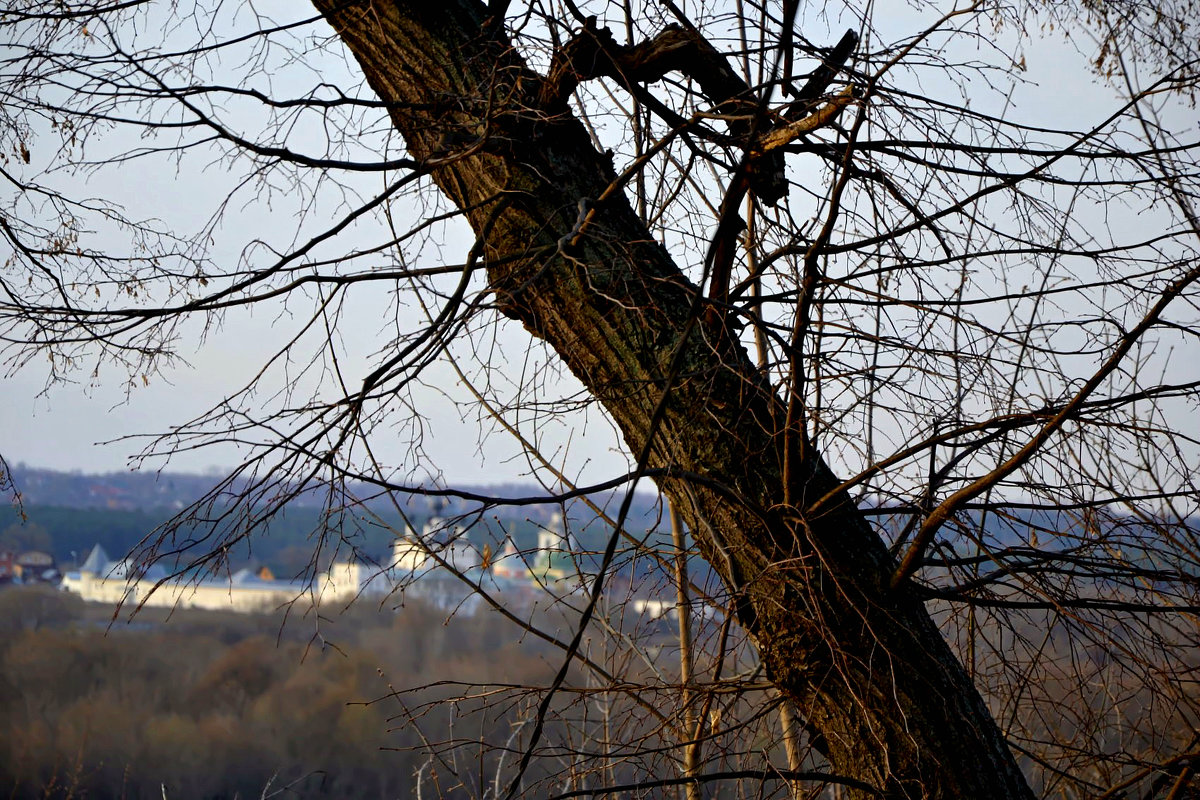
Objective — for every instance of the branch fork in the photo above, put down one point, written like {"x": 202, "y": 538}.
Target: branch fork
{"x": 594, "y": 53}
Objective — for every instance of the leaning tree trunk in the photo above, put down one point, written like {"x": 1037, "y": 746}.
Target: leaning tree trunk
{"x": 882, "y": 694}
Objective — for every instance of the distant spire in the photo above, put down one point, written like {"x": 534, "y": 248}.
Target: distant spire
{"x": 96, "y": 562}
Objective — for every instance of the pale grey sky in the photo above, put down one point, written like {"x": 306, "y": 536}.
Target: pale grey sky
{"x": 62, "y": 427}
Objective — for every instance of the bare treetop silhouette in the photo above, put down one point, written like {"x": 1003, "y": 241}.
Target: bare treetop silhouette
{"x": 915, "y": 370}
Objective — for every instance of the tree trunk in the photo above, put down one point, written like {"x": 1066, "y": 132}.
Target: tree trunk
{"x": 877, "y": 685}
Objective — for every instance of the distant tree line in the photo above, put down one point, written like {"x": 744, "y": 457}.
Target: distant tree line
{"x": 222, "y": 706}
{"x": 70, "y": 533}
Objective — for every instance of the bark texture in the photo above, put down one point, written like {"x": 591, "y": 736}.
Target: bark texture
{"x": 875, "y": 682}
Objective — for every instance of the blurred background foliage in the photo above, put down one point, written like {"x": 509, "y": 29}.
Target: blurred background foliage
{"x": 216, "y": 705}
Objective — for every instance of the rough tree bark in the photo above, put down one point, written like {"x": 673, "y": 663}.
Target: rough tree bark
{"x": 879, "y": 689}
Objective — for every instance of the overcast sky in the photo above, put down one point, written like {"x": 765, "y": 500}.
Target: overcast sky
{"x": 65, "y": 426}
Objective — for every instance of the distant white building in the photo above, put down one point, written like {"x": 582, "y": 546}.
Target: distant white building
{"x": 440, "y": 566}
{"x": 557, "y": 550}
{"x": 441, "y": 542}
{"x": 509, "y": 564}
{"x": 102, "y": 580}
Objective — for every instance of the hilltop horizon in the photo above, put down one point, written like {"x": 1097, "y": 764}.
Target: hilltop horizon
{"x": 164, "y": 488}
